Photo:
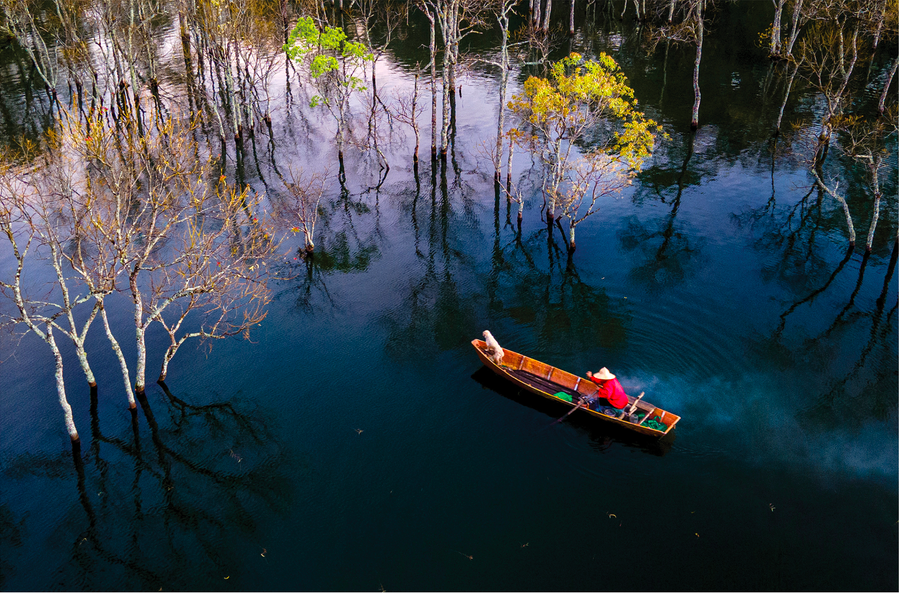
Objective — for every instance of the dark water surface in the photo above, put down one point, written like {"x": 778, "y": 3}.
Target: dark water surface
{"x": 357, "y": 444}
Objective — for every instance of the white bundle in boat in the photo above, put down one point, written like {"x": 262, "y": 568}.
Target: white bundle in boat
{"x": 493, "y": 349}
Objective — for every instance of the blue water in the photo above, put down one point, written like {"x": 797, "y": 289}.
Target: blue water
{"x": 355, "y": 443}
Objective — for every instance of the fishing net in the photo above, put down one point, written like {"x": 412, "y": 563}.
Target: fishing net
{"x": 564, "y": 396}
{"x": 653, "y": 423}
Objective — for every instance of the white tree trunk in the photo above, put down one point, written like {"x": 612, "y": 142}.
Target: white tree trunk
{"x": 694, "y": 121}
{"x": 504, "y": 81}
{"x": 61, "y": 386}
{"x": 433, "y": 49}
{"x": 786, "y": 97}
{"x": 875, "y": 183}
{"x": 850, "y": 227}
{"x": 444, "y": 127}
{"x": 121, "y": 357}
{"x": 794, "y": 32}
{"x": 774, "y": 48}
{"x": 141, "y": 371}
{"x": 415, "y": 118}
{"x": 509, "y": 170}
{"x": 68, "y": 306}
{"x": 571, "y": 18}
{"x": 886, "y": 87}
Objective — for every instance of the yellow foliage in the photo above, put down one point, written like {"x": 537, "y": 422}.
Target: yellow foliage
{"x": 556, "y": 114}
{"x": 579, "y": 95}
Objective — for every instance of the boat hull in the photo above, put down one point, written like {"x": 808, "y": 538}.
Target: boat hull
{"x": 546, "y": 381}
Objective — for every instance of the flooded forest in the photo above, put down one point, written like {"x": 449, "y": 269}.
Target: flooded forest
{"x": 246, "y": 245}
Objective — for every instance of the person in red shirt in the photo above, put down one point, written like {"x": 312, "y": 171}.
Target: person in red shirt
{"x": 608, "y": 389}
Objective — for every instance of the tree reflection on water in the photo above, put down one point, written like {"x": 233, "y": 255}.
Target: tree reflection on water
{"x": 188, "y": 487}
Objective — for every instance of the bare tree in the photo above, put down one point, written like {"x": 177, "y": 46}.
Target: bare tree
{"x": 827, "y": 60}
{"x": 299, "y": 211}
{"x": 456, "y": 19}
{"x": 425, "y": 8}
{"x": 407, "y": 111}
{"x": 691, "y": 29}
{"x": 808, "y": 146}
{"x": 184, "y": 241}
{"x": 783, "y": 105}
{"x": 21, "y": 228}
{"x": 503, "y": 12}
{"x": 868, "y": 143}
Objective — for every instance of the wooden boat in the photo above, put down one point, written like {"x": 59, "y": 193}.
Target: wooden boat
{"x": 547, "y": 381}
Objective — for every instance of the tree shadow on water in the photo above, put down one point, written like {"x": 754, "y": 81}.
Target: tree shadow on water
{"x": 168, "y": 512}
{"x": 308, "y": 274}
{"x": 670, "y": 255}
{"x": 561, "y": 307}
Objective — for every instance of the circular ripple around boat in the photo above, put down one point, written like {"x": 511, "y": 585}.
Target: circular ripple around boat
{"x": 681, "y": 339}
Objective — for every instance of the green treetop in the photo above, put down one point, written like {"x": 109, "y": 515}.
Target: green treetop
{"x": 332, "y": 62}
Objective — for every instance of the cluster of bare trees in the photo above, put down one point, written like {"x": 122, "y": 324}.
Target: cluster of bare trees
{"x": 113, "y": 210}
{"x": 830, "y": 46}
{"x": 108, "y": 51}
{"x": 838, "y": 39}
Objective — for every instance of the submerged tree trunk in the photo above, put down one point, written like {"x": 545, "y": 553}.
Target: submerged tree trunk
{"x": 835, "y": 100}
{"x": 694, "y": 121}
{"x": 445, "y": 122}
{"x": 415, "y": 119}
{"x": 503, "y": 19}
{"x": 849, "y": 226}
{"x": 874, "y": 167}
{"x": 432, "y": 46}
{"x": 571, "y": 18}
{"x": 141, "y": 368}
{"x": 341, "y": 126}
{"x": 774, "y": 47}
{"x": 886, "y": 87}
{"x": 509, "y": 171}
{"x": 132, "y": 405}
{"x": 61, "y": 387}
{"x": 73, "y": 333}
{"x": 794, "y": 30}
{"x": 783, "y": 105}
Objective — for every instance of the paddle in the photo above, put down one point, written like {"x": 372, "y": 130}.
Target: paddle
{"x": 634, "y": 405}
{"x": 579, "y": 405}
{"x": 582, "y": 402}
{"x": 627, "y": 415}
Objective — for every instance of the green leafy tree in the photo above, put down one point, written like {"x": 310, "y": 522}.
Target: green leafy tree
{"x": 587, "y": 103}
{"x": 333, "y": 63}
